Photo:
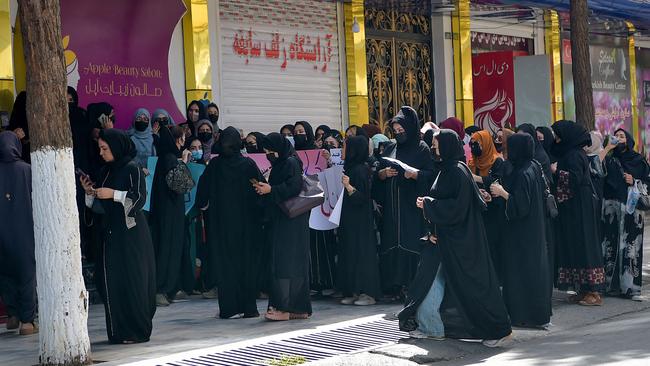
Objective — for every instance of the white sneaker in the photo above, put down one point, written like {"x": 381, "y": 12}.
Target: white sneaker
{"x": 420, "y": 335}
{"x": 237, "y": 316}
{"x": 638, "y": 298}
{"x": 181, "y": 295}
{"x": 212, "y": 294}
{"x": 349, "y": 300}
{"x": 495, "y": 343}
{"x": 365, "y": 300}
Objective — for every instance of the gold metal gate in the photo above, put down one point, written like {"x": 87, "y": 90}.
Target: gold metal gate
{"x": 398, "y": 50}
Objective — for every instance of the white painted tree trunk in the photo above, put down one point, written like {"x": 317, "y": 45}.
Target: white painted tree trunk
{"x": 62, "y": 296}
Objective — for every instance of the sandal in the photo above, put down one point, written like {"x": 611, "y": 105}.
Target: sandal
{"x": 591, "y": 299}
{"x": 275, "y": 315}
{"x": 298, "y": 316}
{"x": 575, "y": 299}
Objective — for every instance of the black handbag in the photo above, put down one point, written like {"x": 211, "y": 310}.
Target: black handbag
{"x": 311, "y": 195}
{"x": 179, "y": 179}
{"x": 551, "y": 202}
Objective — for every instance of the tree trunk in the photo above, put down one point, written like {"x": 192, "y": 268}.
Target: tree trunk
{"x": 62, "y": 297}
{"x": 584, "y": 96}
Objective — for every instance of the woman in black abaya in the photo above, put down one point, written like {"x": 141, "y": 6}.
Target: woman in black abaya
{"x": 396, "y": 192}
{"x": 289, "y": 237}
{"x": 234, "y": 226}
{"x": 168, "y": 215}
{"x": 526, "y": 279}
{"x": 358, "y": 264}
{"x": 579, "y": 254}
{"x": 471, "y": 286}
{"x": 126, "y": 277}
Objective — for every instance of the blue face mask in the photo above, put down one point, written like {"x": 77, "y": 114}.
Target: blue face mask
{"x": 197, "y": 155}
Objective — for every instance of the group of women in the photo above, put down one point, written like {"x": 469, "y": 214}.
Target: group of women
{"x": 471, "y": 231}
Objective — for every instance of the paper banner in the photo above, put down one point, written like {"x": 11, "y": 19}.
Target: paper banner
{"x": 330, "y": 180}
{"x": 336, "y": 156}
{"x": 196, "y": 170}
{"x": 335, "y": 217}
{"x": 313, "y": 161}
{"x": 151, "y": 167}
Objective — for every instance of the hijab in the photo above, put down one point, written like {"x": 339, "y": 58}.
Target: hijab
{"x": 596, "y": 144}
{"x": 547, "y": 143}
{"x": 277, "y": 143}
{"x": 122, "y": 148}
{"x": 167, "y": 143}
{"x": 489, "y": 153}
{"x": 407, "y": 117}
{"x": 450, "y": 147}
{"x": 230, "y": 142}
{"x": 11, "y": 149}
{"x": 98, "y": 112}
{"x": 164, "y": 112}
{"x": 289, "y": 127}
{"x": 18, "y": 117}
{"x": 323, "y": 128}
{"x": 203, "y": 114}
{"x": 521, "y": 149}
{"x": 309, "y": 131}
{"x": 472, "y": 130}
{"x": 572, "y": 136}
{"x": 356, "y": 152}
{"x": 455, "y": 125}
{"x": 75, "y": 96}
{"x": 143, "y": 140}
{"x": 632, "y": 162}
{"x": 258, "y": 143}
{"x": 377, "y": 139}
{"x": 207, "y": 146}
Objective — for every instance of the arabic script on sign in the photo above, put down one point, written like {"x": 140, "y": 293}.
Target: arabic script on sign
{"x": 314, "y": 49}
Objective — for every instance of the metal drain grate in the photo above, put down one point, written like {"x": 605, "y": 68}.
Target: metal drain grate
{"x": 314, "y": 346}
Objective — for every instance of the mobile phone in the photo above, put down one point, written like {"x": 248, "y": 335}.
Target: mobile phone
{"x": 81, "y": 173}
{"x": 254, "y": 181}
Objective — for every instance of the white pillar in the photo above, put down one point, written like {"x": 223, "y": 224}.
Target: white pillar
{"x": 443, "y": 66}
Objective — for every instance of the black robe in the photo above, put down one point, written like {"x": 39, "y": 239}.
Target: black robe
{"x": 526, "y": 281}
{"x": 579, "y": 253}
{"x": 403, "y": 224}
{"x": 125, "y": 274}
{"x": 494, "y": 217}
{"x": 167, "y": 219}
{"x": 473, "y": 307}
{"x": 234, "y": 226}
{"x": 17, "y": 261}
{"x": 358, "y": 262}
{"x": 289, "y": 238}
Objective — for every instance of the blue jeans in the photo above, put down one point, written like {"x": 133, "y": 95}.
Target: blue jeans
{"x": 428, "y": 314}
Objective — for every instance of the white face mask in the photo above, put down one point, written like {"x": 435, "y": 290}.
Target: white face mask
{"x": 291, "y": 140}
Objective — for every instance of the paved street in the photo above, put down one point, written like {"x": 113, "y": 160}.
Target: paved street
{"x": 615, "y": 332}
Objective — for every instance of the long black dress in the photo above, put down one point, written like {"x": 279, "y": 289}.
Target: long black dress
{"x": 234, "y": 225}
{"x": 403, "y": 224}
{"x": 579, "y": 254}
{"x": 167, "y": 218}
{"x": 472, "y": 307}
{"x": 17, "y": 261}
{"x": 526, "y": 280}
{"x": 543, "y": 159}
{"x": 126, "y": 275}
{"x": 358, "y": 258}
{"x": 289, "y": 238}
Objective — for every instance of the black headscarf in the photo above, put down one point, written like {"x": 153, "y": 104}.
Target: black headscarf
{"x": 167, "y": 143}
{"x": 469, "y": 131}
{"x": 230, "y": 142}
{"x": 289, "y": 127}
{"x": 95, "y": 110}
{"x": 356, "y": 152}
{"x": 407, "y": 117}
{"x": 539, "y": 153}
{"x": 572, "y": 136}
{"x": 122, "y": 148}
{"x": 277, "y": 143}
{"x": 203, "y": 114}
{"x": 520, "y": 149}
{"x": 325, "y": 129}
{"x": 18, "y": 117}
{"x": 632, "y": 162}
{"x": 10, "y": 147}
{"x": 450, "y": 147}
{"x": 258, "y": 141}
{"x": 310, "y": 136}
{"x": 428, "y": 138}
